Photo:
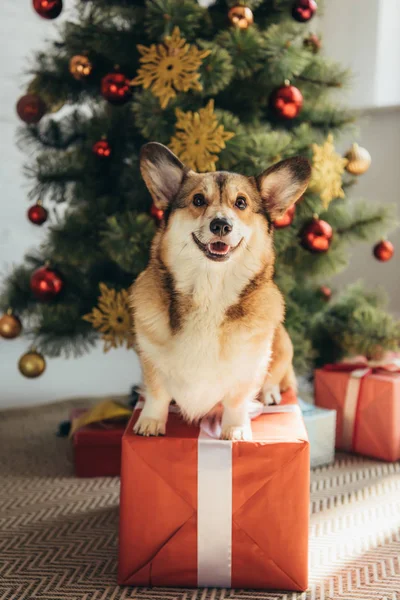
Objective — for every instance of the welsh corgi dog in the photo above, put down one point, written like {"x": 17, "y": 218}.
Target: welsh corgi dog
{"x": 208, "y": 317}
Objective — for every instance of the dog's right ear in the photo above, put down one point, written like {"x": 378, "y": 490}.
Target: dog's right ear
{"x": 162, "y": 172}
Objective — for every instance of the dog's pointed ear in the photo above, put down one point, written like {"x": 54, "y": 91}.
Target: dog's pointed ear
{"x": 282, "y": 184}
{"x": 162, "y": 172}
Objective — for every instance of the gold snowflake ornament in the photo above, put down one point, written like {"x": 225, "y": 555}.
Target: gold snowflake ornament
{"x": 112, "y": 318}
{"x": 327, "y": 171}
{"x": 170, "y": 67}
{"x": 199, "y": 138}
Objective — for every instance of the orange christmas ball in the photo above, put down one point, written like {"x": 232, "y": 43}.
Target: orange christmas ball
{"x": 46, "y": 284}
{"x": 102, "y": 149}
{"x": 80, "y": 67}
{"x": 241, "y": 17}
{"x": 30, "y": 108}
{"x": 287, "y": 102}
{"x": 316, "y": 236}
{"x": 384, "y": 250}
{"x": 10, "y": 326}
{"x": 115, "y": 87}
{"x": 156, "y": 213}
{"x": 286, "y": 219}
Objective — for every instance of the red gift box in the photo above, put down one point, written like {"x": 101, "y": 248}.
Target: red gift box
{"x": 97, "y": 448}
{"x": 197, "y": 511}
{"x": 367, "y": 402}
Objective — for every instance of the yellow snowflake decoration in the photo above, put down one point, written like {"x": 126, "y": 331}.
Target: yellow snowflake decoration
{"x": 112, "y": 318}
{"x": 170, "y": 67}
{"x": 199, "y": 138}
{"x": 327, "y": 171}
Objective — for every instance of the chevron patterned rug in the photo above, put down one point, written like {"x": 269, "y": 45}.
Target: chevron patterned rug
{"x": 58, "y": 534}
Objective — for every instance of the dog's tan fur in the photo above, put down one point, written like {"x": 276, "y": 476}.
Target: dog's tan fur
{"x": 210, "y": 332}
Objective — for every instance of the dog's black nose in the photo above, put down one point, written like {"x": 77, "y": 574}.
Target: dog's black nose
{"x": 220, "y": 227}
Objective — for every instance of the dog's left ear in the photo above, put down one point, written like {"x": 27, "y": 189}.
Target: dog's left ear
{"x": 162, "y": 172}
{"x": 282, "y": 184}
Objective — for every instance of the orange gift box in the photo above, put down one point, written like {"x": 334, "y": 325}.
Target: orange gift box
{"x": 196, "y": 511}
{"x": 367, "y": 402}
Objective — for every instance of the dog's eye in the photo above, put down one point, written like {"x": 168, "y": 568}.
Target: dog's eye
{"x": 199, "y": 200}
{"x": 240, "y": 203}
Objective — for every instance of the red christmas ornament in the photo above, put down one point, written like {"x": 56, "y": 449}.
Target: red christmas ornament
{"x": 287, "y": 101}
{"x": 156, "y": 213}
{"x": 326, "y": 292}
{"x": 316, "y": 236}
{"x": 46, "y": 284}
{"x": 115, "y": 87}
{"x": 48, "y": 9}
{"x": 31, "y": 108}
{"x": 286, "y": 219}
{"x": 102, "y": 149}
{"x": 37, "y": 214}
{"x": 313, "y": 43}
{"x": 384, "y": 250}
{"x": 303, "y": 10}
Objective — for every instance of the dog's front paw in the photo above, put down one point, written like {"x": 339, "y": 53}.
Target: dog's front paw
{"x": 232, "y": 432}
{"x": 147, "y": 426}
{"x": 271, "y": 394}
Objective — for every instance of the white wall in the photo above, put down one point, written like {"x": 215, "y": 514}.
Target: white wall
{"x": 350, "y": 34}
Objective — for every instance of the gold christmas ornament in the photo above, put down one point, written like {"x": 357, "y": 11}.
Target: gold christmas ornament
{"x": 359, "y": 160}
{"x": 199, "y": 138}
{"x": 241, "y": 17}
{"x": 32, "y": 364}
{"x": 327, "y": 170}
{"x": 170, "y": 67}
{"x": 10, "y": 325}
{"x": 112, "y": 318}
{"x": 80, "y": 66}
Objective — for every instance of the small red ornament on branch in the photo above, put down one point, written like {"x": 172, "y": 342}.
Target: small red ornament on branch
{"x": 37, "y": 214}
{"x": 316, "y": 236}
{"x": 384, "y": 250}
{"x": 156, "y": 213}
{"x": 31, "y": 108}
{"x": 286, "y": 219}
{"x": 286, "y": 101}
{"x": 325, "y": 292}
{"x": 102, "y": 148}
{"x": 303, "y": 10}
{"x": 116, "y": 88}
{"x": 48, "y": 9}
{"x": 46, "y": 284}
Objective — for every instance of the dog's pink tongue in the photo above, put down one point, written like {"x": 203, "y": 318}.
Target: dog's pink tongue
{"x": 219, "y": 248}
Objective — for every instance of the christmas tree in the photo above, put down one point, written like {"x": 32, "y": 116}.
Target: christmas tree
{"x": 232, "y": 86}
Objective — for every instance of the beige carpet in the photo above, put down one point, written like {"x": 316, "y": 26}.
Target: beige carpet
{"x": 58, "y": 534}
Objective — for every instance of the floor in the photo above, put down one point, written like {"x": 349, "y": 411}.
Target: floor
{"x": 58, "y": 534}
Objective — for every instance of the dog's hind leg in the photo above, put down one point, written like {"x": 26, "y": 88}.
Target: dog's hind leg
{"x": 280, "y": 376}
{"x": 154, "y": 415}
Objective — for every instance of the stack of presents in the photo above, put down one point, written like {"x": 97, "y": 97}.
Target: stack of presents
{"x": 199, "y": 511}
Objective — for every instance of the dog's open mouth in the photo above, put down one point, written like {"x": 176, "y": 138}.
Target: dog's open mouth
{"x": 217, "y": 250}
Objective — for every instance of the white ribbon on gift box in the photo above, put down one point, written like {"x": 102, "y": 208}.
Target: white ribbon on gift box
{"x": 214, "y": 499}
{"x": 350, "y": 407}
{"x": 352, "y": 398}
{"x": 214, "y": 496}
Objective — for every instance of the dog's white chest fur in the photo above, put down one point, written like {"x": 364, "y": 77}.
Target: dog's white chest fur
{"x": 198, "y": 366}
